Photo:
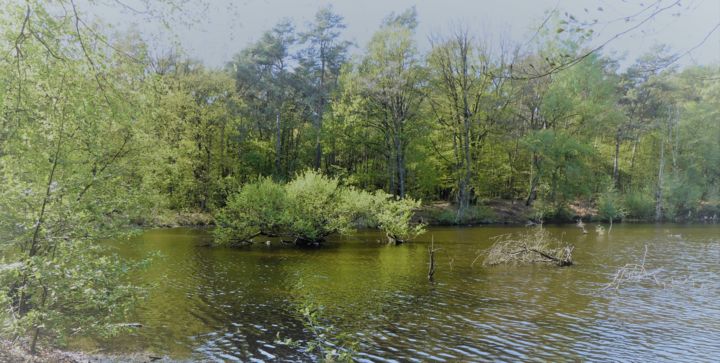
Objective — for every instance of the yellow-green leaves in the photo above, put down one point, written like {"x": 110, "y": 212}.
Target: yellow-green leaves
{"x": 310, "y": 208}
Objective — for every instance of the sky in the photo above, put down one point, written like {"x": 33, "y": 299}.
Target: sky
{"x": 212, "y": 31}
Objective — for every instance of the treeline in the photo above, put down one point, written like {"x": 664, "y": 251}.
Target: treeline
{"x": 548, "y": 123}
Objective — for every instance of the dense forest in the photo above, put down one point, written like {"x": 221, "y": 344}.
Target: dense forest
{"x": 100, "y": 132}
{"x": 547, "y": 124}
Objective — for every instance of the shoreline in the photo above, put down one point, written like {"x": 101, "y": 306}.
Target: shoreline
{"x": 17, "y": 352}
{"x": 499, "y": 212}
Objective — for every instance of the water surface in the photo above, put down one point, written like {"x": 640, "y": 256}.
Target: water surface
{"x": 219, "y": 304}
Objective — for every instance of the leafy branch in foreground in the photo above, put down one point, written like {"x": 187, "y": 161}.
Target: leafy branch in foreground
{"x": 69, "y": 155}
{"x": 63, "y": 295}
{"x": 326, "y": 341}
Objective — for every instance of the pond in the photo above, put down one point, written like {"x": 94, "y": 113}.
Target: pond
{"x": 219, "y": 304}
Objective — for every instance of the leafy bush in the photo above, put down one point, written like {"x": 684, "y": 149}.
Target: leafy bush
{"x": 315, "y": 208}
{"x": 610, "y": 207}
{"x": 481, "y": 214}
{"x": 360, "y": 205}
{"x": 258, "y": 208}
{"x": 555, "y": 212}
{"x": 393, "y": 216}
{"x": 639, "y": 204}
{"x": 709, "y": 210}
{"x": 682, "y": 197}
{"x": 444, "y": 216}
{"x": 310, "y": 208}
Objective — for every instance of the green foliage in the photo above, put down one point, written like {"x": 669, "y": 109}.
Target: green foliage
{"x": 327, "y": 342}
{"x": 394, "y": 217}
{"x": 562, "y": 161}
{"x": 258, "y": 208}
{"x": 315, "y": 207}
{"x": 310, "y": 208}
{"x": 80, "y": 290}
{"x": 94, "y": 137}
{"x": 610, "y": 206}
{"x": 472, "y": 215}
{"x": 441, "y": 125}
{"x": 639, "y": 204}
{"x": 682, "y": 197}
{"x": 72, "y": 151}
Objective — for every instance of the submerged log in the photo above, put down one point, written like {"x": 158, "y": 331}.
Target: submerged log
{"x": 565, "y": 260}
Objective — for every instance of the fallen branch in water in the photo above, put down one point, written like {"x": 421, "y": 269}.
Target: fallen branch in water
{"x": 636, "y": 273}
{"x": 529, "y": 247}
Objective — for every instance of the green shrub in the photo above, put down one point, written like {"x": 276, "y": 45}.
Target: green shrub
{"x": 310, "y": 208}
{"x": 639, "y": 205}
{"x": 258, "y": 208}
{"x": 682, "y": 197}
{"x": 445, "y": 217}
{"x": 360, "y": 205}
{"x": 610, "y": 207}
{"x": 709, "y": 210}
{"x": 555, "y": 212}
{"x": 326, "y": 341}
{"x": 394, "y": 215}
{"x": 315, "y": 208}
{"x": 81, "y": 288}
{"x": 480, "y": 214}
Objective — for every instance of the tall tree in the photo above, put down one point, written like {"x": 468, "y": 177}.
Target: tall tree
{"x": 265, "y": 81}
{"x": 320, "y": 62}
{"x": 467, "y": 97}
{"x": 390, "y": 80}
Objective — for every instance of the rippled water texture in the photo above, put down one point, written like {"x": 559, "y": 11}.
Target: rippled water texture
{"x": 216, "y": 304}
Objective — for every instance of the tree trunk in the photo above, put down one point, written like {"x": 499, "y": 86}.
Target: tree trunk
{"x": 317, "y": 163}
{"x": 616, "y": 161}
{"x": 278, "y": 144}
{"x": 464, "y": 200}
{"x": 391, "y": 164}
{"x": 534, "y": 181}
{"x": 318, "y": 151}
{"x": 633, "y": 154}
{"x": 400, "y": 165}
{"x": 319, "y": 112}
{"x": 659, "y": 190}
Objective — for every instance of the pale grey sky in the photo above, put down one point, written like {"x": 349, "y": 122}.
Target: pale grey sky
{"x": 226, "y": 26}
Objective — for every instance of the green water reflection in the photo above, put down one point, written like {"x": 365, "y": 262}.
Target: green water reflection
{"x": 229, "y": 304}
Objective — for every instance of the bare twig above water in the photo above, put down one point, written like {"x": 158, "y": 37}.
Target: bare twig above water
{"x": 636, "y": 273}
{"x": 640, "y": 273}
{"x": 535, "y": 246}
{"x": 431, "y": 267}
